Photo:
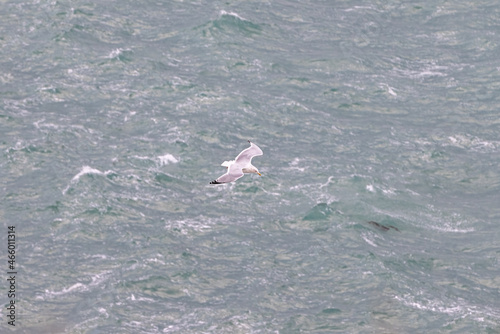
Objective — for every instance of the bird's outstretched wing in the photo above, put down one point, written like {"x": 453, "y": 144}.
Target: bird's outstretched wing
{"x": 234, "y": 172}
{"x": 245, "y": 157}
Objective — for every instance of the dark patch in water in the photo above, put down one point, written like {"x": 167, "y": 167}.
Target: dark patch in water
{"x": 383, "y": 227}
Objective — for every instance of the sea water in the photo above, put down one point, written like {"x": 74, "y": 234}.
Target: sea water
{"x": 378, "y": 206}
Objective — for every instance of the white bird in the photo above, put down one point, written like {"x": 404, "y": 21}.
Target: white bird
{"x": 242, "y": 164}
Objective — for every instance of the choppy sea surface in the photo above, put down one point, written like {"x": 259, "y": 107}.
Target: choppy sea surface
{"x": 378, "y": 206}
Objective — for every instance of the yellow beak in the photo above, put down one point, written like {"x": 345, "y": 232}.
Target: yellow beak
{"x": 259, "y": 174}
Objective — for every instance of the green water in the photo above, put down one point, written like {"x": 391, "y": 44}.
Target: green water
{"x": 115, "y": 116}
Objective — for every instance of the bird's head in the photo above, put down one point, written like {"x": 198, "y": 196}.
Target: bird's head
{"x": 251, "y": 169}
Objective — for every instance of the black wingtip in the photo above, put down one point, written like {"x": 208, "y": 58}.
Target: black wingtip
{"x": 215, "y": 182}
{"x": 249, "y": 141}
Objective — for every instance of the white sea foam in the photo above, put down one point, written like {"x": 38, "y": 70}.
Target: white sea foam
{"x": 330, "y": 180}
{"x": 390, "y": 89}
{"x": 99, "y": 278}
{"x": 460, "y": 310}
{"x": 368, "y": 240}
{"x": 223, "y": 12}
{"x": 77, "y": 287}
{"x": 429, "y": 306}
{"x": 370, "y": 188}
{"x": 473, "y": 143}
{"x": 447, "y": 227}
{"x": 155, "y": 260}
{"x": 103, "y": 312}
{"x": 86, "y": 170}
{"x": 186, "y": 226}
{"x": 141, "y": 299}
{"x": 355, "y": 8}
{"x": 166, "y": 159}
{"x": 294, "y": 165}
{"x": 115, "y": 53}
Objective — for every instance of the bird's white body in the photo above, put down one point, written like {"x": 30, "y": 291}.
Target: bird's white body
{"x": 242, "y": 164}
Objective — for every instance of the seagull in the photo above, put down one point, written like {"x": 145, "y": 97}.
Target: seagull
{"x": 242, "y": 164}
